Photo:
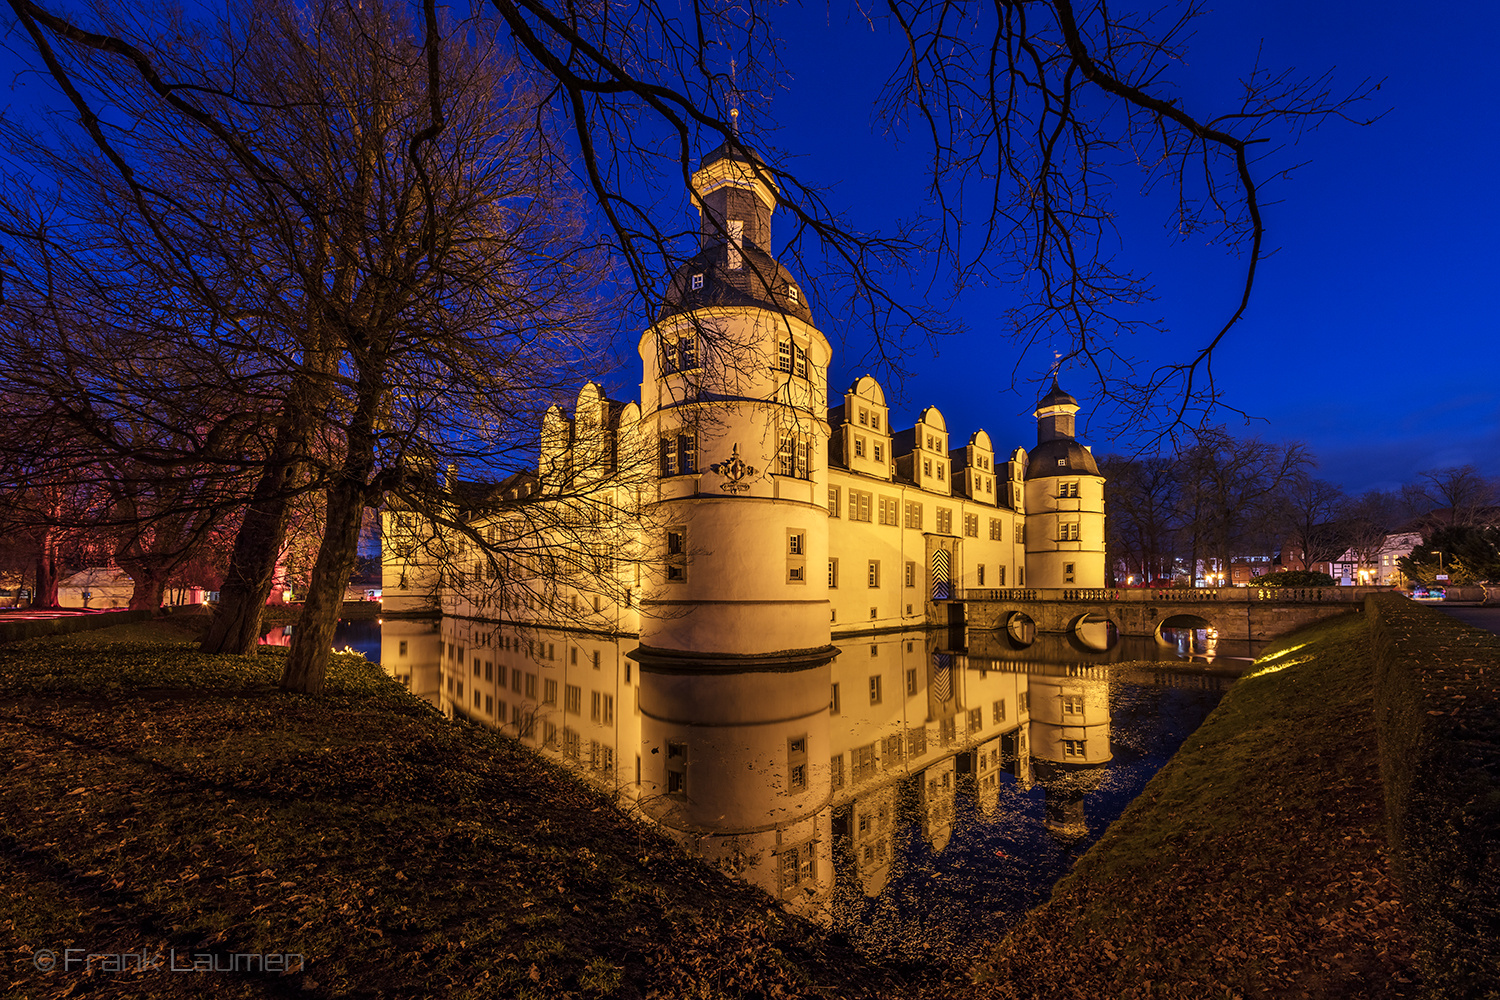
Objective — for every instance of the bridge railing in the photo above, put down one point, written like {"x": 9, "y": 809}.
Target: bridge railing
{"x": 1113, "y": 595}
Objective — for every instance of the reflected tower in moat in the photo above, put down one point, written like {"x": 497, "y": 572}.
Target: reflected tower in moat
{"x": 734, "y": 639}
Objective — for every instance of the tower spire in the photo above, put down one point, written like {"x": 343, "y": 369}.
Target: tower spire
{"x": 734, "y": 101}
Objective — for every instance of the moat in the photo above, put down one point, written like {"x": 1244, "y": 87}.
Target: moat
{"x": 912, "y": 793}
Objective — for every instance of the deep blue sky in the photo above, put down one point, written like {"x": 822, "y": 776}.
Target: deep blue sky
{"x": 1372, "y": 335}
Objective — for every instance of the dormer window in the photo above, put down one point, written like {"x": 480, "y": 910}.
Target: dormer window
{"x": 794, "y": 293}
{"x": 864, "y": 417}
{"x": 697, "y": 282}
{"x": 875, "y": 420}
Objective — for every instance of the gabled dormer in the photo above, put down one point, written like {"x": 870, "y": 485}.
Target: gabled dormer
{"x": 862, "y": 429}
{"x": 922, "y": 453}
{"x": 1014, "y": 491}
{"x": 973, "y": 469}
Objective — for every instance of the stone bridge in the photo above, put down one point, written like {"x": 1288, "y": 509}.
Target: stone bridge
{"x": 1234, "y": 612}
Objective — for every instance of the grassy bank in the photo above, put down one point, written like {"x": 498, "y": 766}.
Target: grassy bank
{"x": 159, "y": 800}
{"x": 1253, "y": 865}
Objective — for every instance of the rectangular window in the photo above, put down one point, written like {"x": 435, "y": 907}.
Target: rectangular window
{"x": 999, "y": 576}
{"x": 1072, "y": 704}
{"x": 859, "y": 446}
{"x": 549, "y": 692}
{"x": 944, "y": 521}
{"x": 796, "y": 763}
{"x": 515, "y": 680}
{"x": 697, "y": 282}
{"x": 736, "y": 244}
{"x": 1069, "y": 490}
{"x": 879, "y": 453}
{"x": 573, "y": 699}
{"x": 1067, "y": 572}
{"x": 784, "y": 355}
{"x": 687, "y": 351}
{"x": 687, "y": 454}
{"x": 859, "y": 505}
{"x": 997, "y": 711}
{"x": 873, "y": 576}
{"x": 981, "y": 574}
{"x": 836, "y": 771}
{"x": 572, "y": 744}
{"x": 875, "y": 419}
{"x": 669, "y": 456}
{"x": 976, "y": 720}
{"x": 995, "y": 530}
{"x": 794, "y": 455}
{"x": 1073, "y": 749}
{"x": 795, "y": 541}
{"x": 862, "y": 761}
{"x": 927, "y": 467}
{"x": 1020, "y": 533}
{"x": 942, "y": 468}
{"x": 676, "y": 555}
{"x": 833, "y": 501}
{"x": 911, "y": 574}
{"x": 833, "y": 574}
{"x": 875, "y": 690}
{"x": 796, "y": 866}
{"x": 833, "y": 699}
{"x": 888, "y": 507}
{"x": 971, "y": 525}
{"x": 531, "y": 686}
{"x": 864, "y": 417}
{"x": 595, "y": 656}
{"x": 913, "y": 515}
{"x": 911, "y": 682}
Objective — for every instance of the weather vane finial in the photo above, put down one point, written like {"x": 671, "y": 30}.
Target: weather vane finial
{"x": 1056, "y": 363}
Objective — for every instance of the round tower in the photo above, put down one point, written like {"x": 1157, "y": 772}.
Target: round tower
{"x": 1064, "y": 501}
{"x": 735, "y": 396}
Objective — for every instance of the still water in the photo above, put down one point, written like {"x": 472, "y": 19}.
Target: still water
{"x": 922, "y": 788}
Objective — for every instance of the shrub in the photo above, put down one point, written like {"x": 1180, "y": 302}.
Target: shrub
{"x": 1294, "y": 578}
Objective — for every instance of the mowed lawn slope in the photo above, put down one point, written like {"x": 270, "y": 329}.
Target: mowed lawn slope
{"x": 1253, "y": 865}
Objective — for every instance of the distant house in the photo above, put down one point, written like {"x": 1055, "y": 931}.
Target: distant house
{"x": 96, "y": 587}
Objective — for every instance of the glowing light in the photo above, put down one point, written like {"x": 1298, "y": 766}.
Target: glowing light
{"x": 1277, "y": 667}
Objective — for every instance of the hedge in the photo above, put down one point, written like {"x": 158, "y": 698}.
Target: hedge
{"x": 1437, "y": 713}
{"x": 30, "y": 628}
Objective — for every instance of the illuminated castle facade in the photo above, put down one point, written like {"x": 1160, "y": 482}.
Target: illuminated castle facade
{"x": 669, "y": 592}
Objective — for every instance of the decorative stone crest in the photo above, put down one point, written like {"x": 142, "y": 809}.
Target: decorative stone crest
{"x": 735, "y": 472}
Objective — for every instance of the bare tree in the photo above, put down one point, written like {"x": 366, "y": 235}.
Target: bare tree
{"x": 1032, "y": 113}
{"x": 1314, "y": 516}
{"x": 1462, "y": 490}
{"x": 1231, "y": 493}
{"x": 371, "y": 223}
{"x": 1143, "y": 497}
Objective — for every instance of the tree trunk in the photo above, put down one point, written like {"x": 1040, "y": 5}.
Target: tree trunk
{"x": 235, "y": 627}
{"x": 150, "y": 584}
{"x": 45, "y": 595}
{"x": 312, "y": 642}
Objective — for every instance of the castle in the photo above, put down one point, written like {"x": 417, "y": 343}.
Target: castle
{"x": 728, "y": 601}
{"x": 751, "y": 517}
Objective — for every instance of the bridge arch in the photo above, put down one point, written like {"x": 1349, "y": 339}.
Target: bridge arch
{"x": 1093, "y": 632}
{"x": 1182, "y": 629}
{"x": 1021, "y": 627}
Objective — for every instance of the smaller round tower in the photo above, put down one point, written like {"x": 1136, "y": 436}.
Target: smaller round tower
{"x": 1064, "y": 501}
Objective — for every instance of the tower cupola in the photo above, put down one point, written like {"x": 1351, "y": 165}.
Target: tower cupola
{"x": 735, "y": 195}
{"x": 1054, "y": 415}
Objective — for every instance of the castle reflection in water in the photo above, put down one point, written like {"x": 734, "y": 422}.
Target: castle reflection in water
{"x": 800, "y": 781}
